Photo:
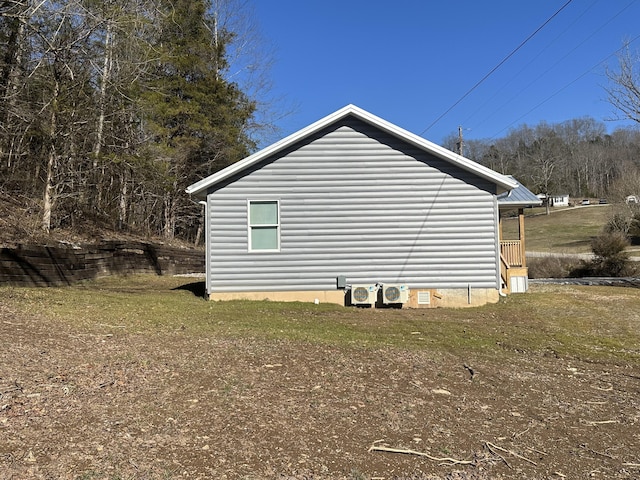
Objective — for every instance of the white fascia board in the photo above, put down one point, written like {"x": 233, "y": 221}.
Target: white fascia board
{"x": 198, "y": 188}
{"x": 507, "y": 205}
{"x": 505, "y": 183}
{"x": 501, "y": 180}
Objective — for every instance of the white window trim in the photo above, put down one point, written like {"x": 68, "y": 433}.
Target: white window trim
{"x": 249, "y": 226}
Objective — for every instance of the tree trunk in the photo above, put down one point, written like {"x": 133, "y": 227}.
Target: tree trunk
{"x": 168, "y": 230}
{"x": 201, "y": 224}
{"x": 48, "y": 198}
{"x": 104, "y": 78}
{"x": 122, "y": 208}
{"x": 9, "y": 84}
{"x": 47, "y": 201}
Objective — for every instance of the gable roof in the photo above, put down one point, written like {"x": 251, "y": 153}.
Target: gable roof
{"x": 520, "y": 196}
{"x": 503, "y": 182}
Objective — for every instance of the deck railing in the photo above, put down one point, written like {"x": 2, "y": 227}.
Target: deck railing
{"x": 511, "y": 251}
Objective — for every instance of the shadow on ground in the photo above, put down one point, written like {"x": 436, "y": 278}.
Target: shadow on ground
{"x": 197, "y": 288}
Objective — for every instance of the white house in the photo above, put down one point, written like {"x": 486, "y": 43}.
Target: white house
{"x": 355, "y": 201}
{"x": 559, "y": 200}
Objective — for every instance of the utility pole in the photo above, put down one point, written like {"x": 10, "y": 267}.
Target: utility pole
{"x": 460, "y": 143}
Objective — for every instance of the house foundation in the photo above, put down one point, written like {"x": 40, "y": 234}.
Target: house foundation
{"x": 418, "y": 298}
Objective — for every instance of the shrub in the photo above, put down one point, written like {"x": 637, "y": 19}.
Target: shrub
{"x": 611, "y": 258}
{"x": 551, "y": 267}
{"x": 609, "y": 245}
{"x": 634, "y": 227}
{"x": 619, "y": 222}
{"x": 625, "y": 219}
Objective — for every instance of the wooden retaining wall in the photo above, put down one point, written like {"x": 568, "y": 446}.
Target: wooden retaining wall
{"x": 36, "y": 265}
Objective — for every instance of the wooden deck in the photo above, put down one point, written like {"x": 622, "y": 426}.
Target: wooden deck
{"x": 511, "y": 251}
{"x": 512, "y": 262}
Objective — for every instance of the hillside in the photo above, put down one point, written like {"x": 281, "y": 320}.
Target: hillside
{"x": 20, "y": 223}
{"x": 568, "y": 230}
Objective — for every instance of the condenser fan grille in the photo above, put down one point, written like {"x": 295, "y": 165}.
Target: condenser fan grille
{"x": 392, "y": 294}
{"x": 360, "y": 294}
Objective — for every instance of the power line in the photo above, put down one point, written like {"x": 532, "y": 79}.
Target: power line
{"x": 567, "y": 85}
{"x": 510, "y": 100}
{"x": 496, "y": 67}
{"x": 490, "y": 99}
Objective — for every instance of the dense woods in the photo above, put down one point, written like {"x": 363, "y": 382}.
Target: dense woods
{"x": 110, "y": 108}
{"x": 576, "y": 157}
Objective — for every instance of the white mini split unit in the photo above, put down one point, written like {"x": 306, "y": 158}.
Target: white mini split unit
{"x": 364, "y": 294}
{"x": 394, "y": 293}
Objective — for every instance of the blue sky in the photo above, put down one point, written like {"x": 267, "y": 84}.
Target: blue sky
{"x": 410, "y": 61}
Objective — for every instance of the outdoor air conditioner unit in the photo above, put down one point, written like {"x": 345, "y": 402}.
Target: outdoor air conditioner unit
{"x": 394, "y": 293}
{"x": 364, "y": 294}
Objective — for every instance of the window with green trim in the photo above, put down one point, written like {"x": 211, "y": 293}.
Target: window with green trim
{"x": 264, "y": 225}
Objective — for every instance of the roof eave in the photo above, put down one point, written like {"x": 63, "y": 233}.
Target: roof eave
{"x": 502, "y": 181}
{"x": 199, "y": 189}
{"x": 518, "y": 204}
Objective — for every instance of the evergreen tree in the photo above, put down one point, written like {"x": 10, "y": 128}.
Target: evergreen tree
{"x": 196, "y": 118}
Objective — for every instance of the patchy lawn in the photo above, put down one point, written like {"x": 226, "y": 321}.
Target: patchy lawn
{"x": 140, "y": 378}
{"x": 568, "y": 230}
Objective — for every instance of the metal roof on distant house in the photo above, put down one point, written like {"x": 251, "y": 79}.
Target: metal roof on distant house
{"x": 519, "y": 197}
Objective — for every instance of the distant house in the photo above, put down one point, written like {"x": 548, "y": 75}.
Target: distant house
{"x": 353, "y": 207}
{"x": 561, "y": 200}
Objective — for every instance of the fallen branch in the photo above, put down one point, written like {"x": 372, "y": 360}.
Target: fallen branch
{"x": 470, "y": 370}
{"x": 516, "y": 435}
{"x": 537, "y": 451}
{"x": 511, "y": 452}
{"x": 628, "y": 464}
{"x": 596, "y": 452}
{"x": 497, "y": 455}
{"x": 607, "y": 389}
{"x": 443, "y": 460}
{"x": 599, "y": 422}
{"x": 14, "y": 388}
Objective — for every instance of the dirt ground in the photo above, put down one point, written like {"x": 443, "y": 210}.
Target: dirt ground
{"x": 177, "y": 405}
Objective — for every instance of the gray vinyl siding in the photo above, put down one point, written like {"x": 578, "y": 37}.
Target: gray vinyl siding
{"x": 356, "y": 202}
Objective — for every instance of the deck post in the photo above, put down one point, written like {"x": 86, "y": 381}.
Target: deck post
{"x": 521, "y": 236}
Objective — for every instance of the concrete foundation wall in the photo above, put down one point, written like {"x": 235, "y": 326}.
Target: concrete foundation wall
{"x": 450, "y": 298}
{"x": 331, "y": 296}
{"x": 453, "y": 297}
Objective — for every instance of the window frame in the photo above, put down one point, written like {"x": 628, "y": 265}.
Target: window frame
{"x": 251, "y": 227}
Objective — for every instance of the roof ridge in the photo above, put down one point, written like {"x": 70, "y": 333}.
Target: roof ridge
{"x": 199, "y": 188}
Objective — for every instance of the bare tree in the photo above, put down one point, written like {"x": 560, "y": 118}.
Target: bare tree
{"x": 624, "y": 86}
{"x": 248, "y": 63}
{"x": 13, "y": 17}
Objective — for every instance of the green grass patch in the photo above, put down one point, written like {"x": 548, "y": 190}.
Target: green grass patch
{"x": 568, "y": 230}
{"x": 595, "y": 323}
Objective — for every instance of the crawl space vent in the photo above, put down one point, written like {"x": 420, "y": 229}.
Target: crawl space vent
{"x": 424, "y": 298}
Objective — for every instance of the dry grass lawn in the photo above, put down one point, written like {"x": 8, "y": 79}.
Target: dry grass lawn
{"x": 139, "y": 378}
{"x": 568, "y": 230}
